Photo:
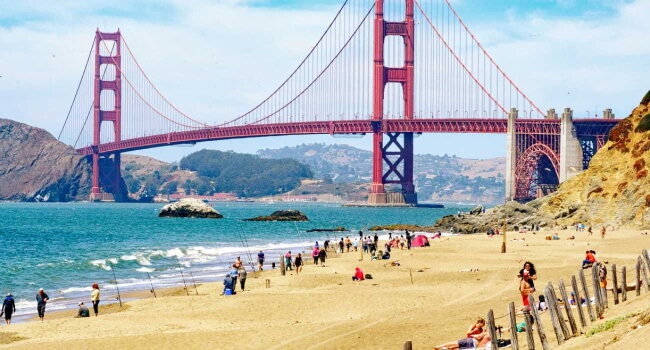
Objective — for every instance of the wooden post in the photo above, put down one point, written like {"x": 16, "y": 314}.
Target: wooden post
{"x": 590, "y": 307}
{"x": 595, "y": 280}
{"x": 503, "y": 244}
{"x": 624, "y": 284}
{"x": 560, "y": 317}
{"x": 615, "y": 286}
{"x": 644, "y": 271}
{"x": 540, "y": 327}
{"x": 529, "y": 329}
{"x": 552, "y": 310}
{"x": 514, "y": 340}
{"x": 408, "y": 345}
{"x": 638, "y": 277}
{"x": 646, "y": 257}
{"x": 576, "y": 295}
{"x": 567, "y": 307}
{"x": 282, "y": 267}
{"x": 492, "y": 329}
{"x": 411, "y": 273}
{"x": 603, "y": 290}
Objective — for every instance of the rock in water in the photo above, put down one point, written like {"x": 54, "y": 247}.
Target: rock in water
{"x": 189, "y": 208}
{"x": 282, "y": 215}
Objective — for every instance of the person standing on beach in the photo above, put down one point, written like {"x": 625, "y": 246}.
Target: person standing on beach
{"x": 602, "y": 232}
{"x": 242, "y": 277}
{"x": 8, "y": 308}
{"x": 260, "y": 260}
{"x": 298, "y": 263}
{"x": 238, "y": 263}
{"x": 408, "y": 240}
{"x": 41, "y": 300}
{"x": 94, "y": 296}
{"x": 525, "y": 289}
{"x": 341, "y": 245}
{"x": 376, "y": 238}
{"x": 326, "y": 244}
{"x": 530, "y": 267}
{"x": 233, "y": 273}
{"x": 287, "y": 261}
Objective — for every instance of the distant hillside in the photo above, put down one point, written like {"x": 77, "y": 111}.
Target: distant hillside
{"x": 437, "y": 178}
{"x": 34, "y": 166}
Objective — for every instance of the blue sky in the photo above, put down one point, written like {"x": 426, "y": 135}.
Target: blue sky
{"x": 583, "y": 54}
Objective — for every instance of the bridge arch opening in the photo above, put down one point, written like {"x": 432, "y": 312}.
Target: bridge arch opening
{"x": 537, "y": 172}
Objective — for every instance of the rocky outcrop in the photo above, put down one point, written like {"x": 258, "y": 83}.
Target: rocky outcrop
{"x": 282, "y": 215}
{"x": 189, "y": 208}
{"x": 615, "y": 190}
{"x": 338, "y": 229}
{"x": 34, "y": 166}
{"x": 513, "y": 214}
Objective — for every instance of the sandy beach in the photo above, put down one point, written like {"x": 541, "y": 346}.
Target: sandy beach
{"x": 431, "y": 298}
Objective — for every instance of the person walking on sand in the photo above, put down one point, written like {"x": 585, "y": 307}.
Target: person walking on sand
{"x": 260, "y": 260}
{"x": 314, "y": 255}
{"x": 94, "y": 296}
{"x": 8, "y": 308}
{"x": 322, "y": 255}
{"x": 298, "y": 262}
{"x": 41, "y": 301}
{"x": 242, "y": 277}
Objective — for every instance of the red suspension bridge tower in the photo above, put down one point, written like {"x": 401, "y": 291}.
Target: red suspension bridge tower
{"x": 398, "y": 154}
{"x": 111, "y": 90}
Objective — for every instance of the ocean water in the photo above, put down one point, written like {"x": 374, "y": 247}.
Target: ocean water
{"x": 66, "y": 247}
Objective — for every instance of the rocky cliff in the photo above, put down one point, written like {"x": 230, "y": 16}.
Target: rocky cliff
{"x": 34, "y": 166}
{"x": 615, "y": 190}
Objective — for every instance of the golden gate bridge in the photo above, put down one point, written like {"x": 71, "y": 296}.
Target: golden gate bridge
{"x": 390, "y": 68}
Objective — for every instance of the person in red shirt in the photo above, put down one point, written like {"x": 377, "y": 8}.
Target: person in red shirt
{"x": 590, "y": 259}
{"x": 358, "y": 275}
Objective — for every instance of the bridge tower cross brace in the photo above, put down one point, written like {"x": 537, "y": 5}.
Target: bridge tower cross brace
{"x": 99, "y": 116}
{"x": 405, "y": 76}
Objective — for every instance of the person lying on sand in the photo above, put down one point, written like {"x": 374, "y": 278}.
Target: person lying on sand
{"x": 472, "y": 342}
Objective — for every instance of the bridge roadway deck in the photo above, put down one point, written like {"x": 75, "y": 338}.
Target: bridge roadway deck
{"x": 584, "y": 127}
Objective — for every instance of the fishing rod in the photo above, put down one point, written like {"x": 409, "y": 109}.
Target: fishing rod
{"x": 119, "y": 298}
{"x": 151, "y": 283}
{"x": 299, "y": 234}
{"x": 244, "y": 241}
{"x": 193, "y": 281}
{"x": 182, "y": 275}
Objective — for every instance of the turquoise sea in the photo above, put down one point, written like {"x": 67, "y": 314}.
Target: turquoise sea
{"x": 66, "y": 247}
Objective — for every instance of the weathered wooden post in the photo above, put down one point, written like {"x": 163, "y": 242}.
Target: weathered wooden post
{"x": 615, "y": 286}
{"x": 603, "y": 289}
{"x": 540, "y": 327}
{"x": 492, "y": 329}
{"x": 638, "y": 277}
{"x": 583, "y": 282}
{"x": 503, "y": 244}
{"x": 282, "y": 267}
{"x": 529, "y": 328}
{"x": 624, "y": 284}
{"x": 595, "y": 280}
{"x": 560, "y": 316}
{"x": 408, "y": 345}
{"x": 578, "y": 301}
{"x": 514, "y": 340}
{"x": 567, "y": 307}
{"x": 552, "y": 310}
{"x": 644, "y": 271}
